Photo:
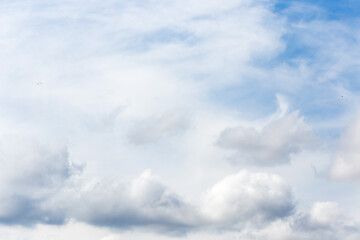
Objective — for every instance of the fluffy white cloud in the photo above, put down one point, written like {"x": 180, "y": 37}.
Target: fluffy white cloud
{"x": 40, "y": 185}
{"x": 248, "y": 197}
{"x": 142, "y": 202}
{"x": 326, "y": 220}
{"x": 273, "y": 143}
{"x": 236, "y": 201}
{"x": 32, "y": 175}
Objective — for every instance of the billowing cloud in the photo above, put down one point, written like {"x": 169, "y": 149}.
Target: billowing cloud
{"x": 271, "y": 144}
{"x": 248, "y": 197}
{"x": 142, "y": 202}
{"x": 40, "y": 185}
{"x": 326, "y": 220}
{"x": 32, "y": 175}
{"x": 323, "y": 215}
{"x": 237, "y": 200}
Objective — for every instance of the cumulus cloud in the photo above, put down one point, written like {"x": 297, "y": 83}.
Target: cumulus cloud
{"x": 326, "y": 220}
{"x": 274, "y": 143}
{"x": 48, "y": 189}
{"x": 248, "y": 197}
{"x": 324, "y": 215}
{"x": 40, "y": 185}
{"x": 347, "y": 165}
{"x": 31, "y": 177}
{"x": 142, "y": 202}
{"x": 244, "y": 198}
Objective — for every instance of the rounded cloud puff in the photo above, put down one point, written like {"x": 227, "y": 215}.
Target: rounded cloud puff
{"x": 248, "y": 196}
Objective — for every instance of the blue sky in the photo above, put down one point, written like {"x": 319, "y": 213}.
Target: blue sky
{"x": 216, "y": 120}
{"x": 330, "y": 10}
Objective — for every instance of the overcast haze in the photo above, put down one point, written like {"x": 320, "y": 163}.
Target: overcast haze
{"x": 179, "y": 119}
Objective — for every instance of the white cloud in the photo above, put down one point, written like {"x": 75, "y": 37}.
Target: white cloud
{"x": 325, "y": 214}
{"x": 32, "y": 175}
{"x": 248, "y": 197}
{"x": 146, "y": 203}
{"x": 326, "y": 220}
{"x": 244, "y": 198}
{"x": 274, "y": 143}
{"x": 143, "y": 202}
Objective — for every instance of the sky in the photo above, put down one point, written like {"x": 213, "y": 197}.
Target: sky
{"x": 180, "y": 119}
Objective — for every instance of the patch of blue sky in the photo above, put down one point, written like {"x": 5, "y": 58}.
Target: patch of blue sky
{"x": 250, "y": 100}
{"x": 304, "y": 42}
{"x": 168, "y": 35}
{"x": 326, "y": 9}
{"x": 301, "y": 42}
{"x": 138, "y": 43}
{"x": 294, "y": 51}
{"x": 319, "y": 103}
{"x": 351, "y": 80}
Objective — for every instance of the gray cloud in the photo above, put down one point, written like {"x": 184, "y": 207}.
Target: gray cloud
{"x": 142, "y": 202}
{"x": 48, "y": 189}
{"x": 248, "y": 198}
{"x": 39, "y": 184}
{"x": 31, "y": 177}
{"x": 326, "y": 220}
{"x": 238, "y": 200}
{"x": 273, "y": 144}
